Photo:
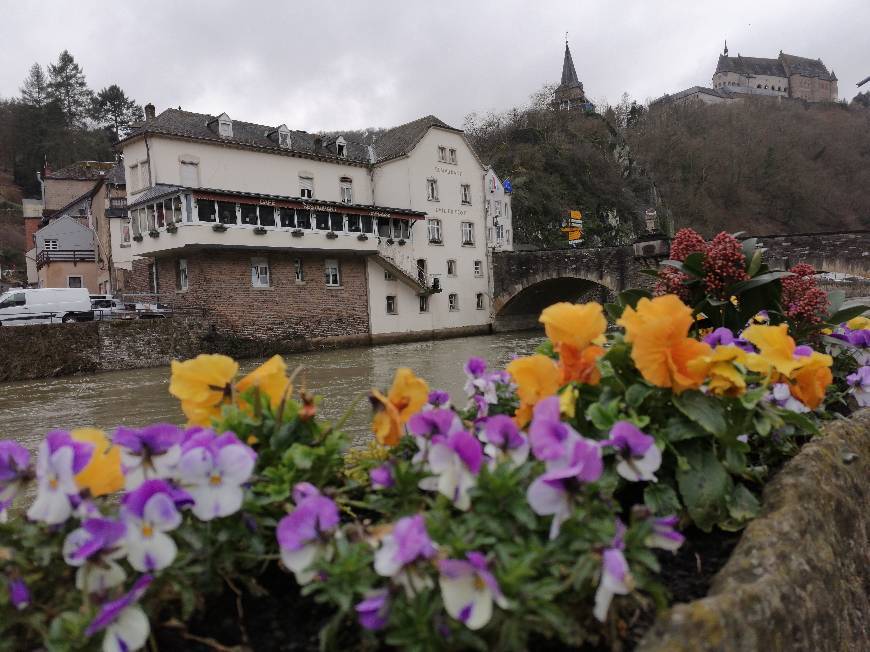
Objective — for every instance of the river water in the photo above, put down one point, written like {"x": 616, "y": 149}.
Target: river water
{"x": 29, "y": 409}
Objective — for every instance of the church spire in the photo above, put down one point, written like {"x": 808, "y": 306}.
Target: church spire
{"x": 725, "y": 53}
{"x": 569, "y": 75}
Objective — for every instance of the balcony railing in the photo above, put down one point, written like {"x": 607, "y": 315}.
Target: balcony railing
{"x": 73, "y": 256}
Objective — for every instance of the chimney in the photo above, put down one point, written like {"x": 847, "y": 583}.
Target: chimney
{"x": 318, "y": 144}
{"x": 149, "y": 111}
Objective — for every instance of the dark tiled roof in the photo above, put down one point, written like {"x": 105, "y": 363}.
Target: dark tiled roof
{"x": 569, "y": 74}
{"x": 82, "y": 171}
{"x": 400, "y": 140}
{"x": 71, "y": 208}
{"x": 152, "y": 193}
{"x": 201, "y": 126}
{"x": 116, "y": 175}
{"x": 701, "y": 90}
{"x": 750, "y": 66}
{"x": 805, "y": 67}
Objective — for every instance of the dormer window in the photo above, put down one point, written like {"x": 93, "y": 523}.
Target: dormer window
{"x": 284, "y": 137}
{"x": 225, "y": 126}
{"x": 341, "y": 147}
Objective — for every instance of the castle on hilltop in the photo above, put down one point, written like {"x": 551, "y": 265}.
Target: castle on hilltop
{"x": 786, "y": 76}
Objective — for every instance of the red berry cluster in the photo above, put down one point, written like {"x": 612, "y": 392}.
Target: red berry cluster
{"x": 687, "y": 241}
{"x": 671, "y": 282}
{"x": 724, "y": 265}
{"x": 802, "y": 299}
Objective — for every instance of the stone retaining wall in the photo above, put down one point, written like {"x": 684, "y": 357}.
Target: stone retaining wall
{"x": 799, "y": 579}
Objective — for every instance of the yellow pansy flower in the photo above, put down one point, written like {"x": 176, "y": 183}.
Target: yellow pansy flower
{"x": 661, "y": 349}
{"x": 858, "y": 323}
{"x": 776, "y": 350}
{"x": 270, "y": 377}
{"x": 568, "y": 401}
{"x": 574, "y": 324}
{"x": 536, "y": 377}
{"x": 203, "y": 385}
{"x": 406, "y": 396}
{"x": 103, "y": 474}
{"x": 724, "y": 378}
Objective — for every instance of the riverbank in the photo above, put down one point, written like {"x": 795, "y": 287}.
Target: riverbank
{"x": 136, "y": 397}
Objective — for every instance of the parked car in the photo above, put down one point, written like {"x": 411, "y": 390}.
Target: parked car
{"x": 44, "y": 306}
{"x": 105, "y": 306}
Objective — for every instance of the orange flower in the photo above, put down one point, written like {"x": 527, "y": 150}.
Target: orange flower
{"x": 725, "y": 379}
{"x": 102, "y": 475}
{"x": 577, "y": 325}
{"x": 271, "y": 378}
{"x": 812, "y": 380}
{"x": 407, "y": 395}
{"x": 536, "y": 377}
{"x": 661, "y": 348}
{"x": 579, "y": 364}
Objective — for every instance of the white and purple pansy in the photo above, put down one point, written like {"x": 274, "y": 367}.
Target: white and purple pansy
{"x": 430, "y": 426}
{"x": 468, "y": 589}
{"x": 150, "y": 511}
{"x": 93, "y": 549}
{"x": 60, "y": 459}
{"x": 382, "y": 476}
{"x": 14, "y": 472}
{"x": 615, "y": 576}
{"x": 639, "y": 457}
{"x": 551, "y": 494}
{"x": 124, "y": 622}
{"x": 479, "y": 382}
{"x": 407, "y": 543}
{"x": 374, "y": 610}
{"x": 503, "y": 440}
{"x": 780, "y": 395}
{"x": 859, "y": 385}
{"x": 303, "y": 533}
{"x": 147, "y": 453}
{"x": 551, "y": 439}
{"x": 213, "y": 469}
{"x": 438, "y": 398}
{"x": 455, "y": 462}
{"x": 664, "y": 534}
{"x": 724, "y": 336}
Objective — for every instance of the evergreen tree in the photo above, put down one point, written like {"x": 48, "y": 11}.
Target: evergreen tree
{"x": 35, "y": 89}
{"x": 67, "y": 86}
{"x": 115, "y": 110}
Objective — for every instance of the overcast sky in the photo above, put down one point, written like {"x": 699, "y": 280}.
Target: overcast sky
{"x": 330, "y": 65}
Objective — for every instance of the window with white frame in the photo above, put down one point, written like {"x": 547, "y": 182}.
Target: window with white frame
{"x": 424, "y": 303}
{"x": 499, "y": 232}
{"x": 225, "y": 126}
{"x": 50, "y": 245}
{"x": 346, "y": 190}
{"x": 259, "y": 272}
{"x": 388, "y": 275}
{"x": 181, "y": 275}
{"x": 451, "y": 267}
{"x": 153, "y": 278}
{"x": 283, "y": 136}
{"x": 451, "y": 156}
{"x": 306, "y": 186}
{"x": 125, "y": 232}
{"x": 442, "y": 153}
{"x": 465, "y": 193}
{"x": 434, "y": 231}
{"x": 205, "y": 210}
{"x": 392, "y": 306}
{"x": 453, "y": 301}
{"x": 332, "y": 273}
{"x": 341, "y": 147}
{"x": 478, "y": 268}
{"x": 467, "y": 233}
{"x": 481, "y": 301}
{"x": 498, "y": 208}
{"x": 432, "y": 189}
{"x": 74, "y": 281}
{"x": 299, "y": 269}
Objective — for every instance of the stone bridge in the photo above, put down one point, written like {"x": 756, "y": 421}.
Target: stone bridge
{"x": 526, "y": 282}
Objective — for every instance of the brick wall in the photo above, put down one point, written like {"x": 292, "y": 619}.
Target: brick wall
{"x": 219, "y": 286}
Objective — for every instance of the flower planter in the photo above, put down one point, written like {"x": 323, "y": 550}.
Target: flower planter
{"x": 297, "y": 233}
{"x": 362, "y": 237}
{"x": 332, "y": 235}
{"x": 390, "y": 241}
{"x": 260, "y": 230}
{"x": 154, "y": 234}
{"x": 172, "y": 228}
{"x": 138, "y": 238}
{"x": 220, "y": 228}
{"x": 401, "y": 242}
{"x": 797, "y": 578}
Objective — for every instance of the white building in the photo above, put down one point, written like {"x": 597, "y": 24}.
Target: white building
{"x": 499, "y": 214}
{"x": 282, "y": 233}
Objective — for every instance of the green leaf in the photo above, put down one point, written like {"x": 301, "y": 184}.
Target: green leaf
{"x": 743, "y": 506}
{"x": 613, "y": 310}
{"x": 302, "y": 456}
{"x": 762, "y": 424}
{"x": 661, "y": 499}
{"x": 706, "y": 411}
{"x": 847, "y": 313}
{"x": 735, "y": 460}
{"x": 680, "y": 266}
{"x": 631, "y": 297}
{"x": 835, "y": 301}
{"x": 546, "y": 348}
{"x": 704, "y": 486}
{"x": 761, "y": 279}
{"x": 636, "y": 394}
{"x": 694, "y": 264}
{"x": 799, "y": 421}
{"x": 754, "y": 263}
{"x": 678, "y": 429}
{"x": 748, "y": 249}
{"x": 649, "y": 272}
{"x": 603, "y": 416}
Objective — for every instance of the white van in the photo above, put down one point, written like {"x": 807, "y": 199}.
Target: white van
{"x": 44, "y": 306}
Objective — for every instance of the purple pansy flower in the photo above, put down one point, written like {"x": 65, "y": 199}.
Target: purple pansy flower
{"x": 150, "y": 511}
{"x": 93, "y": 549}
{"x": 803, "y": 351}
{"x": 615, "y": 576}
{"x": 859, "y": 384}
{"x": 551, "y": 493}
{"x": 439, "y": 398}
{"x": 468, "y": 589}
{"x": 125, "y": 623}
{"x": 60, "y": 459}
{"x": 639, "y": 457}
{"x": 550, "y": 438}
{"x": 382, "y": 476}
{"x": 301, "y": 533}
{"x": 212, "y": 469}
{"x": 14, "y": 472}
{"x": 664, "y": 535}
{"x": 374, "y": 610}
{"x": 408, "y": 542}
{"x": 150, "y": 452}
{"x": 780, "y": 394}
{"x": 504, "y": 440}
{"x": 19, "y": 594}
{"x": 455, "y": 461}
{"x": 724, "y": 336}
{"x": 433, "y": 423}
{"x": 479, "y": 382}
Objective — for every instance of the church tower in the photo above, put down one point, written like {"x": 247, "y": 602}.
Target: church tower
{"x": 569, "y": 94}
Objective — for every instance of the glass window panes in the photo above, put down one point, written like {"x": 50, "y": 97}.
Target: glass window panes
{"x": 452, "y": 155}
{"x": 249, "y": 214}
{"x": 346, "y": 190}
{"x": 432, "y": 189}
{"x": 406, "y": 229}
{"x": 392, "y": 309}
{"x": 181, "y": 274}
{"x": 306, "y": 186}
{"x": 176, "y": 208}
{"x": 161, "y": 216}
{"x": 353, "y": 223}
{"x": 288, "y": 218}
{"x": 465, "y": 193}
{"x": 481, "y": 302}
{"x": 442, "y": 154}
{"x": 205, "y": 210}
{"x": 226, "y": 212}
{"x": 384, "y": 227}
{"x": 259, "y": 272}
{"x": 299, "y": 270}
{"x": 336, "y": 221}
{"x": 267, "y": 216}
{"x": 478, "y": 268}
{"x": 424, "y": 303}
{"x": 434, "y": 230}
{"x": 321, "y": 220}
{"x": 368, "y": 224}
{"x": 303, "y": 219}
{"x": 331, "y": 272}
{"x": 397, "y": 229}
{"x": 453, "y": 301}
{"x": 451, "y": 268}
{"x": 149, "y": 213}
{"x": 467, "y": 233}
